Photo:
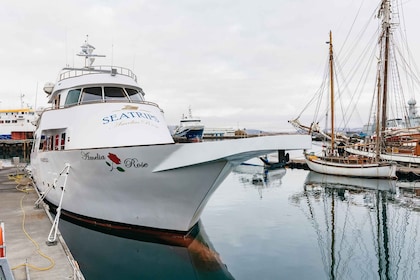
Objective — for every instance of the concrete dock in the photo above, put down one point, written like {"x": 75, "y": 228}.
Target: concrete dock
{"x": 26, "y": 232}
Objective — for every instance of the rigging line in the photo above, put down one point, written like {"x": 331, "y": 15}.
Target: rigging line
{"x": 351, "y": 110}
{"x": 326, "y": 217}
{"x": 413, "y": 75}
{"x": 317, "y": 229}
{"x": 392, "y": 109}
{"x": 363, "y": 222}
{"x": 371, "y": 215}
{"x": 395, "y": 83}
{"x": 361, "y": 84}
{"x": 358, "y": 38}
{"x": 316, "y": 96}
{"x": 414, "y": 80}
{"x": 370, "y": 228}
{"x": 351, "y": 28}
{"x": 341, "y": 246}
{"x": 354, "y": 68}
{"x": 412, "y": 255}
{"x": 372, "y": 112}
{"x": 320, "y": 98}
{"x": 403, "y": 225}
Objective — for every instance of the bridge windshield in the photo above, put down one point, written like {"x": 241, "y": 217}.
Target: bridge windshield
{"x": 102, "y": 94}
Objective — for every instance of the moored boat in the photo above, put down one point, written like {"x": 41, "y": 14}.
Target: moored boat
{"x": 105, "y": 154}
{"x": 334, "y": 161}
{"x": 190, "y": 129}
{"x": 17, "y": 124}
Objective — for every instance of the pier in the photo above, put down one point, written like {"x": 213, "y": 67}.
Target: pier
{"x": 26, "y": 229}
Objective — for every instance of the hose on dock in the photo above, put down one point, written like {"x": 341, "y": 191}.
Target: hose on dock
{"x": 25, "y": 185}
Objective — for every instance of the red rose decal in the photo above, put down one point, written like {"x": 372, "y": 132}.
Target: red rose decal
{"x": 114, "y": 160}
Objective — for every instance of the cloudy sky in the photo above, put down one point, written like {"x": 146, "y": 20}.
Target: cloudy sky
{"x": 237, "y": 63}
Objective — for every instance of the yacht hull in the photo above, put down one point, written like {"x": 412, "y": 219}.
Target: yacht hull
{"x": 157, "y": 186}
{"x": 352, "y": 170}
{"x": 130, "y": 192}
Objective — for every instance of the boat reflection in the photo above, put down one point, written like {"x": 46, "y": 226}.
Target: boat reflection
{"x": 259, "y": 177}
{"x": 353, "y": 183}
{"x": 362, "y": 230}
{"x": 117, "y": 255}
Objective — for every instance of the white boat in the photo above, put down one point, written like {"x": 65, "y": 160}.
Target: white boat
{"x": 333, "y": 161}
{"x": 351, "y": 168}
{"x": 17, "y": 124}
{"x": 103, "y": 153}
{"x": 190, "y": 129}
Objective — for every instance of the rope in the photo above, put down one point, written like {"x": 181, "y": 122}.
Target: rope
{"x": 26, "y": 188}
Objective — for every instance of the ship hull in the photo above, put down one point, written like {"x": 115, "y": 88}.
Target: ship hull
{"x": 127, "y": 190}
{"x": 352, "y": 170}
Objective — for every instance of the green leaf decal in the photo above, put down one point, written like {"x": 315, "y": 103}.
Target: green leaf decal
{"x": 107, "y": 163}
{"x": 120, "y": 169}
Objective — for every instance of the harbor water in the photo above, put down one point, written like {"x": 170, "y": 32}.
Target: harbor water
{"x": 285, "y": 224}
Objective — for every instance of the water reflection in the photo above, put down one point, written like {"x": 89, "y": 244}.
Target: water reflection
{"x": 363, "y": 227}
{"x": 104, "y": 255}
{"x": 259, "y": 177}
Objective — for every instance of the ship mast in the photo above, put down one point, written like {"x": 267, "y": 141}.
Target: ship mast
{"x": 331, "y": 62}
{"x": 386, "y": 26}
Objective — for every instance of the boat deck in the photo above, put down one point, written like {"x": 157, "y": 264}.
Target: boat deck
{"x": 26, "y": 232}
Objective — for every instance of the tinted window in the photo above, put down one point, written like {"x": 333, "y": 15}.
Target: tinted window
{"x": 91, "y": 94}
{"x": 114, "y": 93}
{"x": 134, "y": 94}
{"x": 72, "y": 97}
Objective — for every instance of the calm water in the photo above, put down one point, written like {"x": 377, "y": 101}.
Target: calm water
{"x": 297, "y": 225}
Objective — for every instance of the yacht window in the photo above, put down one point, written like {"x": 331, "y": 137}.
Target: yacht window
{"x": 114, "y": 93}
{"x": 134, "y": 94}
{"x": 91, "y": 94}
{"x": 63, "y": 141}
{"x": 72, "y": 97}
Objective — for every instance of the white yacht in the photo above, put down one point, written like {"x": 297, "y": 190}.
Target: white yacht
{"x": 104, "y": 154}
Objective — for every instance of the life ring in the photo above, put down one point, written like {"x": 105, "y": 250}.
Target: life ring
{"x": 2, "y": 254}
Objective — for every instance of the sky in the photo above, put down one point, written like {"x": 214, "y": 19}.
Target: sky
{"x": 235, "y": 63}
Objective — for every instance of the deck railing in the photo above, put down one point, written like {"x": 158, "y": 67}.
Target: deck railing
{"x": 112, "y": 70}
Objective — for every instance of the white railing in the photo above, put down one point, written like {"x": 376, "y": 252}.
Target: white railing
{"x": 112, "y": 70}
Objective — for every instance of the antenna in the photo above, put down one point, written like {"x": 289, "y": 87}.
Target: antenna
{"x": 21, "y": 99}
{"x": 112, "y": 55}
{"x": 87, "y": 52}
{"x": 36, "y": 95}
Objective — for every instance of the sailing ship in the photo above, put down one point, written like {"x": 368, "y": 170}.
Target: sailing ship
{"x": 334, "y": 161}
{"x": 105, "y": 154}
{"x": 400, "y": 134}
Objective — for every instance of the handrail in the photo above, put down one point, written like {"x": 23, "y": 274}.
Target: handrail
{"x": 101, "y": 69}
{"x": 101, "y": 101}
